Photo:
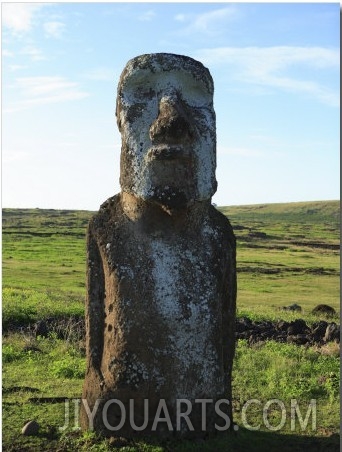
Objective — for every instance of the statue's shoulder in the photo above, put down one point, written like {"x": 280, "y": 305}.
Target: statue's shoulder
{"x": 111, "y": 206}
{"x": 221, "y": 224}
{"x": 108, "y": 216}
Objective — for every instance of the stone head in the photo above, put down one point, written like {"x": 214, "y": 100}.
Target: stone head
{"x": 166, "y": 119}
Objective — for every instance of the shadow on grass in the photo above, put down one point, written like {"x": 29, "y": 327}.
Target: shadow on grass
{"x": 255, "y": 441}
{"x": 242, "y": 441}
{"x": 268, "y": 441}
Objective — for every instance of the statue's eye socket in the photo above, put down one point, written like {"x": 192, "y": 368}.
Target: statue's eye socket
{"x": 138, "y": 92}
{"x": 145, "y": 91}
{"x": 196, "y": 96}
{"x": 194, "y": 93}
{"x": 142, "y": 93}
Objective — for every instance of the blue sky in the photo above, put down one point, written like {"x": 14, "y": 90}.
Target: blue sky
{"x": 276, "y": 73}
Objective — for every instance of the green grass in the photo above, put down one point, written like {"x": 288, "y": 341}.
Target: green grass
{"x": 286, "y": 253}
{"x": 32, "y": 369}
{"x": 44, "y": 249}
{"x": 55, "y": 369}
{"x": 285, "y": 372}
{"x": 25, "y": 306}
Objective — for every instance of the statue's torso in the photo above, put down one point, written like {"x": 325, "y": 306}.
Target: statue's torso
{"x": 163, "y": 303}
{"x": 167, "y": 307}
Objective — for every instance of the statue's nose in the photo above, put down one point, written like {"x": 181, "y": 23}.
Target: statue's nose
{"x": 172, "y": 125}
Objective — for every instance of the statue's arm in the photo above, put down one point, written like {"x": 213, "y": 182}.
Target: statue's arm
{"x": 95, "y": 297}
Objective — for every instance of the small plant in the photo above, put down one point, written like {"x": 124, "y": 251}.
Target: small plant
{"x": 67, "y": 361}
{"x": 331, "y": 383}
{"x": 10, "y": 353}
{"x": 67, "y": 368}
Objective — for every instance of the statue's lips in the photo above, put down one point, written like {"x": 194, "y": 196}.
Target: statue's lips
{"x": 168, "y": 152}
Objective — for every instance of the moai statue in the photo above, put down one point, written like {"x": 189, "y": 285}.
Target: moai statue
{"x": 161, "y": 271}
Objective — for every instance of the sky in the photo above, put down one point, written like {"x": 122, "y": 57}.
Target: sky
{"x": 276, "y": 70}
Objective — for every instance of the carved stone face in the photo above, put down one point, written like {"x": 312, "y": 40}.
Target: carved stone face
{"x": 167, "y": 122}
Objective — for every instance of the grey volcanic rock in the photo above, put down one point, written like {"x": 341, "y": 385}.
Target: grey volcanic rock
{"x": 332, "y": 333}
{"x": 298, "y": 326}
{"x": 161, "y": 270}
{"x": 324, "y": 309}
{"x": 296, "y": 332}
{"x": 319, "y": 330}
{"x": 31, "y": 428}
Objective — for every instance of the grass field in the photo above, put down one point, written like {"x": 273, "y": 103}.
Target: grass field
{"x": 286, "y": 253}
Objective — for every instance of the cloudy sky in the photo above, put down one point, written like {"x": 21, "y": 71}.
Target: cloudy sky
{"x": 276, "y": 73}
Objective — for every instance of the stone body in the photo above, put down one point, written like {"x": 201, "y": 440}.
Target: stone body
{"x": 161, "y": 276}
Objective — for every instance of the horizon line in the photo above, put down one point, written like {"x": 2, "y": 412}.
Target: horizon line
{"x": 215, "y": 205}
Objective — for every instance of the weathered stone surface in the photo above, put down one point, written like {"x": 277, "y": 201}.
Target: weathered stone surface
{"x": 318, "y": 330}
{"x": 332, "y": 333}
{"x": 31, "y": 428}
{"x": 324, "y": 309}
{"x": 161, "y": 273}
{"x": 298, "y": 326}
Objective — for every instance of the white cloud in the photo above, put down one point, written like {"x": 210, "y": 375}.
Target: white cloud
{"x": 268, "y": 66}
{"x": 16, "y": 67}
{"x": 208, "y": 23}
{"x": 54, "y": 29}
{"x": 180, "y": 17}
{"x": 37, "y": 86}
{"x": 322, "y": 93}
{"x": 34, "y": 53}
{"x": 7, "y": 53}
{"x": 148, "y": 15}
{"x": 14, "y": 156}
{"x": 266, "y": 59}
{"x": 45, "y": 90}
{"x": 18, "y": 17}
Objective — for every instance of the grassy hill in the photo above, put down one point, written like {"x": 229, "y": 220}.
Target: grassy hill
{"x": 316, "y": 211}
{"x": 286, "y": 253}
